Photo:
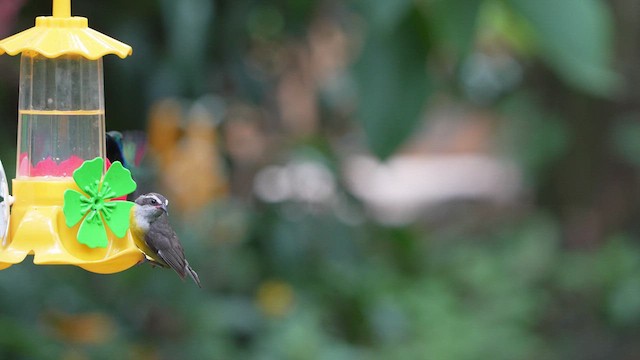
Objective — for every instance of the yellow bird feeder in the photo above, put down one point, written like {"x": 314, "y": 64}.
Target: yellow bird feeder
{"x": 62, "y": 198}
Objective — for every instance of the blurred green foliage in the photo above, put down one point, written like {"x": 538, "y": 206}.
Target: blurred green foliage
{"x": 555, "y": 276}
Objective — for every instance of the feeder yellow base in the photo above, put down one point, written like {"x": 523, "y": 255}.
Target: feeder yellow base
{"x": 38, "y": 228}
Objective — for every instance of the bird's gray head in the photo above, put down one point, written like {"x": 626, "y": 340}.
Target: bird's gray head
{"x": 151, "y": 206}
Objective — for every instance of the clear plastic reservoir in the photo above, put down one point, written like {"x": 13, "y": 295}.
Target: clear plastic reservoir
{"x": 60, "y": 114}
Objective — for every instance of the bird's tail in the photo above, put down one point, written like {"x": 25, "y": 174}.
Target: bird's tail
{"x": 193, "y": 274}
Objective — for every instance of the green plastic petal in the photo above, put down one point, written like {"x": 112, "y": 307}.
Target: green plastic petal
{"x": 73, "y": 208}
{"x": 116, "y": 215}
{"x": 117, "y": 182}
{"x": 92, "y": 232}
{"x": 88, "y": 175}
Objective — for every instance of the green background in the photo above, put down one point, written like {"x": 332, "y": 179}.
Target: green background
{"x": 552, "y": 272}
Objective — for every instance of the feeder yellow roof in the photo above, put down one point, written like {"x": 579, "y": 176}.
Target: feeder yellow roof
{"x": 63, "y": 34}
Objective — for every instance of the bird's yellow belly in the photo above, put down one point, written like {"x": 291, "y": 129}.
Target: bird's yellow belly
{"x": 137, "y": 233}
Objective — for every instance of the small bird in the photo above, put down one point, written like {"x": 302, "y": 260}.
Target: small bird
{"x": 129, "y": 148}
{"x": 114, "y": 148}
{"x": 154, "y": 236}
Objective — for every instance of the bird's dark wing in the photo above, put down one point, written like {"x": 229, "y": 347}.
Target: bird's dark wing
{"x": 166, "y": 244}
{"x": 114, "y": 150}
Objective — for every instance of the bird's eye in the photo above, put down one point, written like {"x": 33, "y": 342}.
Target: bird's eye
{"x": 154, "y": 202}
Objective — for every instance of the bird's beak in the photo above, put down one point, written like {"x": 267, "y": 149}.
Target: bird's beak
{"x": 164, "y": 208}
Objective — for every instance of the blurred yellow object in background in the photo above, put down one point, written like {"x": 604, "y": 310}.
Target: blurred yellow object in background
{"x": 275, "y": 298}
{"x": 88, "y": 328}
{"x": 189, "y": 161}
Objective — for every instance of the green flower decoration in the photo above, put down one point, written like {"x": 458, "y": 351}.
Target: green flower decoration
{"x": 94, "y": 206}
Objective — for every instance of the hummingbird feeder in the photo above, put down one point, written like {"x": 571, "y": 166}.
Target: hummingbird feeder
{"x": 64, "y": 208}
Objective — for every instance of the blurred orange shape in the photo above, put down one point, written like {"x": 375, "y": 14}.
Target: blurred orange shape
{"x": 275, "y": 298}
{"x": 88, "y": 328}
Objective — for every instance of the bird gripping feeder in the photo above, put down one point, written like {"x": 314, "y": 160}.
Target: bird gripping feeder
{"x": 64, "y": 209}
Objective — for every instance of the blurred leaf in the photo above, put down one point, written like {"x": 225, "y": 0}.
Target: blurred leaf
{"x": 393, "y": 84}
{"x": 496, "y": 21}
{"x": 384, "y": 14}
{"x": 455, "y": 22}
{"x": 187, "y": 23}
{"x": 618, "y": 259}
{"x": 626, "y": 133}
{"x": 624, "y": 301}
{"x": 576, "y": 39}
{"x": 19, "y": 340}
{"x": 576, "y": 271}
{"x": 265, "y": 22}
{"x": 532, "y": 135}
{"x": 532, "y": 254}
